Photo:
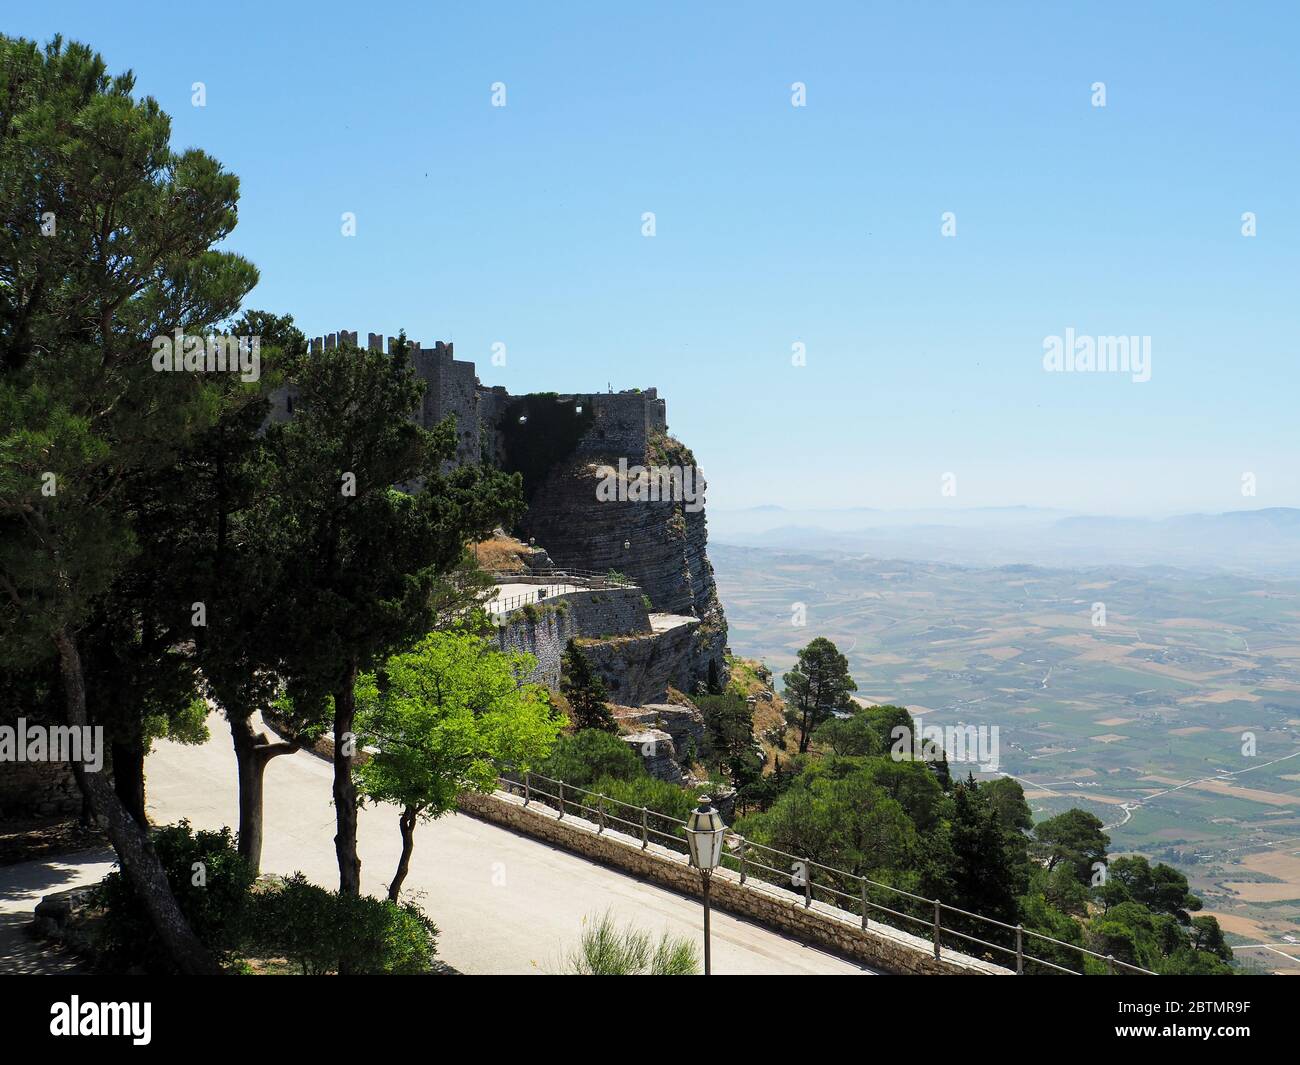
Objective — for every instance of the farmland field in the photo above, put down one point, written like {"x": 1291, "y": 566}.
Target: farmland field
{"x": 1165, "y": 701}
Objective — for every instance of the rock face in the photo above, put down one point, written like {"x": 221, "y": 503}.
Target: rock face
{"x": 657, "y": 752}
{"x": 640, "y": 669}
{"x": 660, "y": 544}
{"x": 684, "y": 725}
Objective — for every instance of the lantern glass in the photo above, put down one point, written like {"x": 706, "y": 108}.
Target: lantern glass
{"x": 705, "y": 832}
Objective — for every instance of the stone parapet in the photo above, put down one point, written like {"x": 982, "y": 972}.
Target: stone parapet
{"x": 877, "y": 946}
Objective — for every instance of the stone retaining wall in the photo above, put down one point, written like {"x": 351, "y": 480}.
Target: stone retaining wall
{"x": 545, "y": 636}
{"x": 877, "y": 946}
{"x": 40, "y": 789}
{"x": 602, "y": 612}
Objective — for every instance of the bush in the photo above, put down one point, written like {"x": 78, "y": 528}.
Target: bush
{"x": 212, "y": 886}
{"x": 608, "y": 951}
{"x": 325, "y": 932}
{"x": 588, "y": 755}
{"x": 661, "y": 798}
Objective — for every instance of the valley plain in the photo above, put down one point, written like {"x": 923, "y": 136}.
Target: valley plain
{"x": 1165, "y": 701}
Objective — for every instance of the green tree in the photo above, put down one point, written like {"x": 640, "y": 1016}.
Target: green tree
{"x": 1206, "y": 935}
{"x": 212, "y": 885}
{"x": 1161, "y": 888}
{"x": 984, "y": 875}
{"x": 106, "y": 243}
{"x": 1075, "y": 838}
{"x": 444, "y": 717}
{"x": 583, "y": 687}
{"x": 588, "y": 755}
{"x": 213, "y": 500}
{"x": 1129, "y": 933}
{"x": 847, "y": 823}
{"x": 1008, "y": 799}
{"x": 1061, "y": 889}
{"x": 728, "y": 731}
{"x": 362, "y": 562}
{"x": 817, "y": 687}
{"x": 853, "y": 736}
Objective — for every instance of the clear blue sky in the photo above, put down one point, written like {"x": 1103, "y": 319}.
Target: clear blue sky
{"x": 778, "y": 224}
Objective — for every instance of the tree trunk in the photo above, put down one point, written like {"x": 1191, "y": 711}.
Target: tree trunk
{"x": 345, "y": 788}
{"x": 407, "y": 824}
{"x": 250, "y": 792}
{"x": 140, "y": 865}
{"x": 128, "y": 777}
{"x": 252, "y": 753}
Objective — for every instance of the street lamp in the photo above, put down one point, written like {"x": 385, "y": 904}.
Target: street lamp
{"x": 704, "y": 833}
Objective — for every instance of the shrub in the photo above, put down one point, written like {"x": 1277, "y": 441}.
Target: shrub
{"x": 211, "y": 883}
{"x": 609, "y": 951}
{"x": 325, "y": 932}
{"x": 588, "y": 755}
{"x": 659, "y": 797}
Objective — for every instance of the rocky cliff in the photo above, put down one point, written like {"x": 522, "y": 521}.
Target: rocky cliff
{"x": 659, "y": 543}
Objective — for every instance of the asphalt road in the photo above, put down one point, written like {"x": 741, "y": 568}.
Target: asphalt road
{"x": 504, "y": 903}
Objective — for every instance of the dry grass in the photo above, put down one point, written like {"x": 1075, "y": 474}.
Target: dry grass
{"x": 769, "y": 710}
{"x": 501, "y": 554}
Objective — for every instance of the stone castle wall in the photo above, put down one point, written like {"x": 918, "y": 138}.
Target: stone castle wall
{"x": 608, "y": 612}
{"x": 544, "y": 630}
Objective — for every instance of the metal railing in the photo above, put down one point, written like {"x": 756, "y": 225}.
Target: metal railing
{"x": 515, "y": 602}
{"x": 560, "y": 574}
{"x": 819, "y": 884}
{"x": 581, "y": 581}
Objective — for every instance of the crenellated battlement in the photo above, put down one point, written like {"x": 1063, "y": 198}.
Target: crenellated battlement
{"x": 374, "y": 342}
{"x": 622, "y": 421}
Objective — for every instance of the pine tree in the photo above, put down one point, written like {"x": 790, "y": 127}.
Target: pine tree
{"x": 364, "y": 566}
{"x": 583, "y": 687}
{"x": 107, "y": 243}
{"x": 817, "y": 687}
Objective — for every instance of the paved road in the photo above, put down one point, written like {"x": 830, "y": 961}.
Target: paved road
{"x": 505, "y": 903}
{"x": 22, "y": 886}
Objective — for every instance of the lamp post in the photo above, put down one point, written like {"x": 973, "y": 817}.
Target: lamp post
{"x": 704, "y": 833}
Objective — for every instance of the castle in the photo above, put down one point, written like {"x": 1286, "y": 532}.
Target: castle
{"x": 623, "y": 421}
{"x": 560, "y": 444}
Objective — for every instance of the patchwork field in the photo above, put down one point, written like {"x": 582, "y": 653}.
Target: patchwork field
{"x": 1175, "y": 721}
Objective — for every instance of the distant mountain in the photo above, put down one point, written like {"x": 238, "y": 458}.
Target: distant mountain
{"x": 1264, "y": 541}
